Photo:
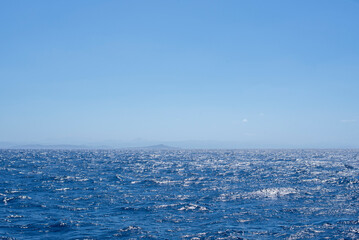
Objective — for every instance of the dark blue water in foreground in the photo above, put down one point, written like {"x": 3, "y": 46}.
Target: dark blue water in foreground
{"x": 240, "y": 194}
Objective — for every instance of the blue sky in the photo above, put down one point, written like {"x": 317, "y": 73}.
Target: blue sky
{"x": 248, "y": 73}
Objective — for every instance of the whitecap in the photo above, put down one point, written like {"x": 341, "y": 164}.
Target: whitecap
{"x": 273, "y": 192}
{"x": 62, "y": 189}
{"x": 193, "y": 207}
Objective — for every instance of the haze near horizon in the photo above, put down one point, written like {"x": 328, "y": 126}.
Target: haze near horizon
{"x": 225, "y": 73}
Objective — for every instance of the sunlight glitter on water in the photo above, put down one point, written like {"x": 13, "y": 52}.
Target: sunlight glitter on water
{"x": 181, "y": 194}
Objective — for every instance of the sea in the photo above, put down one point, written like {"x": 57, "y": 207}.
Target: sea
{"x": 179, "y": 194}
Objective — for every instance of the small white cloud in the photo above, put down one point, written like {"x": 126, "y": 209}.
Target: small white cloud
{"x": 261, "y": 114}
{"x": 245, "y": 120}
{"x": 348, "y": 120}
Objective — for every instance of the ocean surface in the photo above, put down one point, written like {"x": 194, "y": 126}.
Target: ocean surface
{"x": 179, "y": 194}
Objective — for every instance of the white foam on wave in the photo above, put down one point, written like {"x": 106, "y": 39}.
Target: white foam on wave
{"x": 192, "y": 207}
{"x": 273, "y": 192}
{"x": 166, "y": 182}
{"x": 24, "y": 197}
{"x": 15, "y": 216}
{"x": 62, "y": 189}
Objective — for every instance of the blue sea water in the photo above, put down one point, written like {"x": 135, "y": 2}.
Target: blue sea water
{"x": 179, "y": 194}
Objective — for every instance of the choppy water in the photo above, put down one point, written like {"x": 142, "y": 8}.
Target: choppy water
{"x": 240, "y": 194}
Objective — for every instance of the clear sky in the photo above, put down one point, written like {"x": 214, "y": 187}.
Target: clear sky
{"x": 255, "y": 73}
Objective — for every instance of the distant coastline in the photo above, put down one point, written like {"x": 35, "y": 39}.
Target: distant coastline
{"x": 74, "y": 147}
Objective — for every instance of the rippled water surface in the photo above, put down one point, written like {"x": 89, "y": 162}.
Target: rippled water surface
{"x": 181, "y": 194}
